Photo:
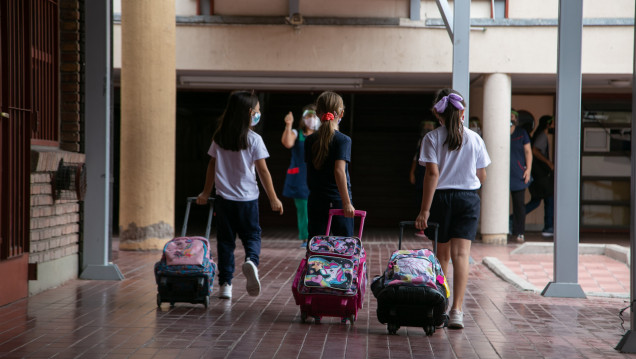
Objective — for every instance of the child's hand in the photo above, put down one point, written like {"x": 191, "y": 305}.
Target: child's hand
{"x": 202, "y": 198}
{"x": 421, "y": 222}
{"x": 277, "y": 205}
{"x": 349, "y": 211}
{"x": 289, "y": 119}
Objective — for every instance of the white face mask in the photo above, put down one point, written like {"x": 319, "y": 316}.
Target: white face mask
{"x": 312, "y": 122}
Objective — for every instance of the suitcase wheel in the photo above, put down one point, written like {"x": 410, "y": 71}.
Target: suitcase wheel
{"x": 303, "y": 317}
{"x": 351, "y": 318}
{"x": 206, "y": 303}
{"x": 158, "y": 300}
{"x": 429, "y": 329}
{"x": 392, "y": 328}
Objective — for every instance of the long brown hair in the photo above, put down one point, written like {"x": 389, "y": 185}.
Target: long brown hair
{"x": 452, "y": 119}
{"x": 234, "y": 123}
{"x": 327, "y": 103}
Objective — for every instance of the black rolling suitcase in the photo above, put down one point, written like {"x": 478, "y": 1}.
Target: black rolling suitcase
{"x": 186, "y": 270}
{"x": 413, "y": 290}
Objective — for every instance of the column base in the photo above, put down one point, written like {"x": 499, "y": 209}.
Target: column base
{"x": 494, "y": 238}
{"x": 148, "y": 244}
{"x": 108, "y": 271}
{"x": 563, "y": 290}
{"x": 627, "y": 343}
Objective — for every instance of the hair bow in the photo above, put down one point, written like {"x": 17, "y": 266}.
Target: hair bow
{"x": 327, "y": 117}
{"x": 453, "y": 98}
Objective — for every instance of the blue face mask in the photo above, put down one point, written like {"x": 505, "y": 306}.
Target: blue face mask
{"x": 255, "y": 118}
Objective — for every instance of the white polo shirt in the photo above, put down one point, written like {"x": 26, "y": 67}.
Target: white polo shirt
{"x": 457, "y": 169}
{"x": 235, "y": 172}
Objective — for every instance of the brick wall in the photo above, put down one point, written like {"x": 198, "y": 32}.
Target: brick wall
{"x": 55, "y": 224}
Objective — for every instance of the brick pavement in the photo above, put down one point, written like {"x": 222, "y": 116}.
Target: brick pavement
{"x": 108, "y": 319}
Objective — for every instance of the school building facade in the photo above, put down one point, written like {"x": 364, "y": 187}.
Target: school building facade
{"x": 173, "y": 63}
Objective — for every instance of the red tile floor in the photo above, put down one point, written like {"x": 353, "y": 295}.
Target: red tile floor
{"x": 120, "y": 319}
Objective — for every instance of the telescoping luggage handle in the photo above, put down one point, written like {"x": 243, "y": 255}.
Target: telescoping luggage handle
{"x": 340, "y": 212}
{"x": 187, "y": 215}
{"x": 412, "y": 224}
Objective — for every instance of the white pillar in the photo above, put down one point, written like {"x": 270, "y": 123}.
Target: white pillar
{"x": 495, "y": 193}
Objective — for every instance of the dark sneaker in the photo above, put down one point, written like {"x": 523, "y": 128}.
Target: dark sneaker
{"x": 253, "y": 285}
{"x": 548, "y": 232}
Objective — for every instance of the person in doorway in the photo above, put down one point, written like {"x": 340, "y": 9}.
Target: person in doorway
{"x": 520, "y": 168}
{"x": 235, "y": 153}
{"x": 296, "y": 179}
{"x": 475, "y": 125}
{"x": 542, "y": 186}
{"x": 328, "y": 154}
{"x": 416, "y": 175}
{"x": 456, "y": 161}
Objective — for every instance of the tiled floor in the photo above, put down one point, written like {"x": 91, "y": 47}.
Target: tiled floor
{"x": 108, "y": 319}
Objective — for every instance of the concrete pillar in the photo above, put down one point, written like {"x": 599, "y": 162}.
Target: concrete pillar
{"x": 148, "y": 107}
{"x": 495, "y": 193}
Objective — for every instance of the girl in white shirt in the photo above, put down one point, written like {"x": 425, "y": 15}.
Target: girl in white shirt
{"x": 236, "y": 154}
{"x": 456, "y": 160}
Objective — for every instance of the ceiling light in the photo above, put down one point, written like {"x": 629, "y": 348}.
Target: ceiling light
{"x": 270, "y": 83}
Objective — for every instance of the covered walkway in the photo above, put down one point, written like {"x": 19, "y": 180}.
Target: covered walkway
{"x": 120, "y": 319}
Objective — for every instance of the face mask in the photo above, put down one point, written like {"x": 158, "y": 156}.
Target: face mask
{"x": 255, "y": 118}
{"x": 312, "y": 123}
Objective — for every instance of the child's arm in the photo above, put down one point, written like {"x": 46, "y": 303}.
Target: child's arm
{"x": 209, "y": 182}
{"x": 341, "y": 181}
{"x": 266, "y": 180}
{"x": 289, "y": 137}
{"x": 430, "y": 184}
{"x": 481, "y": 174}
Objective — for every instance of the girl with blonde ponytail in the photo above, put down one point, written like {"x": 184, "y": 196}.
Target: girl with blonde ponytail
{"x": 456, "y": 161}
{"x": 327, "y": 155}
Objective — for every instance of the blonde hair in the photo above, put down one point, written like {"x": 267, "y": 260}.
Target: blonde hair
{"x": 327, "y": 103}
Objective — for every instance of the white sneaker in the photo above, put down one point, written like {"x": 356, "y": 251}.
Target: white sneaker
{"x": 456, "y": 320}
{"x": 226, "y": 291}
{"x": 253, "y": 285}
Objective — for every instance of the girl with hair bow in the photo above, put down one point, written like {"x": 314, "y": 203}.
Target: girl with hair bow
{"x": 456, "y": 161}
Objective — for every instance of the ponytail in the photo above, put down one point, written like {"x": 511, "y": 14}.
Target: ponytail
{"x": 448, "y": 107}
{"x": 328, "y": 106}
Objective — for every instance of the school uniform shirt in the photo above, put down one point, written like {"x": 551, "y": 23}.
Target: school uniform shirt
{"x": 322, "y": 182}
{"x": 235, "y": 172}
{"x": 518, "y": 138}
{"x": 457, "y": 169}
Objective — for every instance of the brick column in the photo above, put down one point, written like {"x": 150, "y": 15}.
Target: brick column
{"x": 148, "y": 103}
{"x": 70, "y": 59}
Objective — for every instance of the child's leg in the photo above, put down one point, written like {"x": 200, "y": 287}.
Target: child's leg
{"x": 249, "y": 230}
{"x": 301, "y": 213}
{"x": 443, "y": 256}
{"x": 225, "y": 240}
{"x": 460, "y": 254}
